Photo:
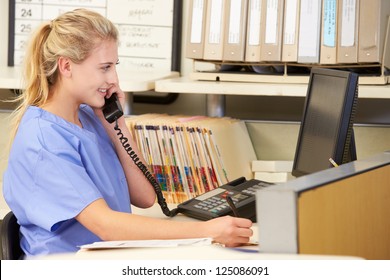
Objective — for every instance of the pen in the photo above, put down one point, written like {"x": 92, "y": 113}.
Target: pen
{"x": 232, "y": 206}
{"x": 333, "y": 162}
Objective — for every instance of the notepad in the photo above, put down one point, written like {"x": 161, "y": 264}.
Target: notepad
{"x": 153, "y": 243}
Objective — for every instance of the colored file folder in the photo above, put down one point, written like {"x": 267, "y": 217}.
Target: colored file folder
{"x": 191, "y": 155}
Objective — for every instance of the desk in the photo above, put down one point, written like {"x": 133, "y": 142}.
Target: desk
{"x": 130, "y": 82}
{"x": 211, "y": 252}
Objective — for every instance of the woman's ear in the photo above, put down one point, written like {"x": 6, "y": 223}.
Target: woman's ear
{"x": 64, "y": 66}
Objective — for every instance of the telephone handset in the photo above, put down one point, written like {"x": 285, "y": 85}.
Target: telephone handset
{"x": 112, "y": 108}
{"x": 112, "y": 111}
{"x": 207, "y": 206}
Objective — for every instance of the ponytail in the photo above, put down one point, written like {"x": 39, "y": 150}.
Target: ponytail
{"x": 36, "y": 86}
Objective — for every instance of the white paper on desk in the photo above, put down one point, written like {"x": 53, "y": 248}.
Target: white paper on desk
{"x": 147, "y": 243}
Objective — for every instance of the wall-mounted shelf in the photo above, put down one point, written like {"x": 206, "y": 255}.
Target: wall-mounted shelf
{"x": 216, "y": 91}
{"x": 252, "y": 77}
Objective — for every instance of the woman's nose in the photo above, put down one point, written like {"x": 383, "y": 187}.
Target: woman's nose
{"x": 113, "y": 77}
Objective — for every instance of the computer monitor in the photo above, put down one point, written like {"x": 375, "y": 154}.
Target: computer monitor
{"x": 326, "y": 130}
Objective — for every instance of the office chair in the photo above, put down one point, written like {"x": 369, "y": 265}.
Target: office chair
{"x": 10, "y": 246}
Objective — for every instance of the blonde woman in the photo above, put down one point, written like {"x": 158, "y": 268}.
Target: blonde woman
{"x": 69, "y": 181}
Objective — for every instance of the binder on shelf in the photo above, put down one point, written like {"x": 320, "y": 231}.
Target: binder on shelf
{"x": 254, "y": 34}
{"x": 373, "y": 22}
{"x": 348, "y": 31}
{"x": 309, "y": 31}
{"x": 214, "y": 34}
{"x": 272, "y": 16}
{"x": 290, "y": 31}
{"x": 328, "y": 50}
{"x": 235, "y": 30}
{"x": 196, "y": 28}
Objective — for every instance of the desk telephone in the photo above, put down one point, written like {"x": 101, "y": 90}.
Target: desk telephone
{"x": 236, "y": 197}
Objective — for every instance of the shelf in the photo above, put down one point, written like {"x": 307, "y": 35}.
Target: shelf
{"x": 187, "y": 85}
{"x": 277, "y": 78}
{"x": 217, "y": 91}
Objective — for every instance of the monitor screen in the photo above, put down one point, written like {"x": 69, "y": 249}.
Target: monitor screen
{"x": 326, "y": 130}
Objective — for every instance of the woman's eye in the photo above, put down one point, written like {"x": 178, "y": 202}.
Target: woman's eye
{"x": 106, "y": 68}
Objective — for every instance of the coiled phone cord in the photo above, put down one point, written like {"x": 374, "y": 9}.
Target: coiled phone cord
{"x": 160, "y": 197}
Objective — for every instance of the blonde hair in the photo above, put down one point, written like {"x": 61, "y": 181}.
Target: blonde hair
{"x": 73, "y": 35}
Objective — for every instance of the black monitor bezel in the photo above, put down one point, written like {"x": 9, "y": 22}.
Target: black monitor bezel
{"x": 344, "y": 147}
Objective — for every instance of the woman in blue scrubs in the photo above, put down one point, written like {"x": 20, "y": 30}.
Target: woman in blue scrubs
{"x": 69, "y": 181}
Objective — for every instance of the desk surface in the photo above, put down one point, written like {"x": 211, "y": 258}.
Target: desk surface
{"x": 208, "y": 252}
{"x": 10, "y": 78}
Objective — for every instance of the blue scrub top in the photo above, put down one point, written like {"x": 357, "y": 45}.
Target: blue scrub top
{"x": 55, "y": 170}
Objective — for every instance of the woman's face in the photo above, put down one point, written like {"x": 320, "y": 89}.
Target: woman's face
{"x": 93, "y": 78}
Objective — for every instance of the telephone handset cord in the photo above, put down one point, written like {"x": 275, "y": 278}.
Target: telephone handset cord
{"x": 144, "y": 169}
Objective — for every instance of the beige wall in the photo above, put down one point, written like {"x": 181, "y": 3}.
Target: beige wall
{"x": 277, "y": 140}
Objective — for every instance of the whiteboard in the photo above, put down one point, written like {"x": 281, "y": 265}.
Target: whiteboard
{"x": 148, "y": 29}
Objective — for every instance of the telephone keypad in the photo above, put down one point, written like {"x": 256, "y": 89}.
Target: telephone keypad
{"x": 252, "y": 189}
{"x": 213, "y": 203}
{"x": 216, "y": 204}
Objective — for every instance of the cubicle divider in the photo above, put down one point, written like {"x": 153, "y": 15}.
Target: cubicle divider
{"x": 338, "y": 211}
